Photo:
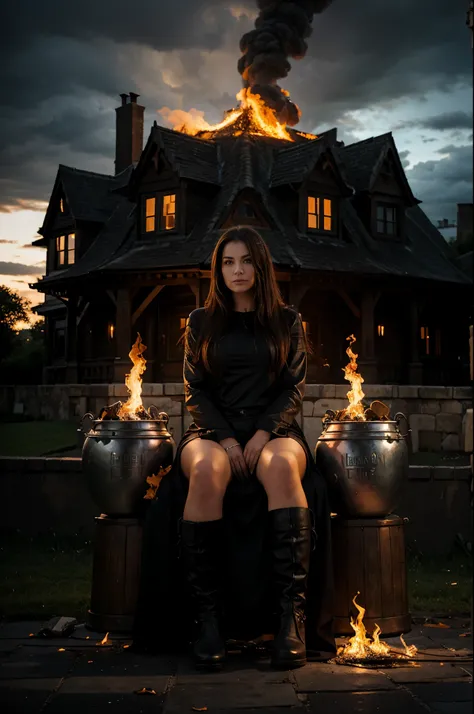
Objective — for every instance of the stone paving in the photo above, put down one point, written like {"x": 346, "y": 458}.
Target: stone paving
{"x": 68, "y": 676}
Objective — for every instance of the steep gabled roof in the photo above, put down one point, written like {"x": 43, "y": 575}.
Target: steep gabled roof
{"x": 360, "y": 159}
{"x": 90, "y": 196}
{"x": 293, "y": 163}
{"x": 189, "y": 157}
{"x": 364, "y": 160}
{"x": 248, "y": 164}
{"x": 105, "y": 246}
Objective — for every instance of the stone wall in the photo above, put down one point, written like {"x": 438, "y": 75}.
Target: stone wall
{"x": 436, "y": 414}
{"x": 41, "y": 495}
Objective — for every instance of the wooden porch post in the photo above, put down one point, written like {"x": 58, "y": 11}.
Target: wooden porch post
{"x": 196, "y": 286}
{"x": 367, "y": 360}
{"x": 415, "y": 367}
{"x": 71, "y": 376}
{"x": 123, "y": 334}
{"x": 297, "y": 292}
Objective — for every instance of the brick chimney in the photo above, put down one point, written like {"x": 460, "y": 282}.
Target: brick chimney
{"x": 464, "y": 224}
{"x": 129, "y": 132}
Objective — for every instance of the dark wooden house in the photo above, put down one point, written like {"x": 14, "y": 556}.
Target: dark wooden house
{"x": 350, "y": 244}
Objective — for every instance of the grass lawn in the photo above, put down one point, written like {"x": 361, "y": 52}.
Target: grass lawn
{"x": 36, "y": 438}
{"x": 440, "y": 585}
{"x": 44, "y": 577}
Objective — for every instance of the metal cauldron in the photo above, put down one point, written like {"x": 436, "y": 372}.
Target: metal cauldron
{"x": 117, "y": 457}
{"x": 365, "y": 464}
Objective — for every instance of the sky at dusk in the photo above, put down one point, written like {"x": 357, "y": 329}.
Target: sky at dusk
{"x": 372, "y": 66}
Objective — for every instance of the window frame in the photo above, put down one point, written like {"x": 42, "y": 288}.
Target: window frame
{"x": 65, "y": 251}
{"x": 322, "y": 196}
{"x": 384, "y": 205}
{"x": 159, "y": 197}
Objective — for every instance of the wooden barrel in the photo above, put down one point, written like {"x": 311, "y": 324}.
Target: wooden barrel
{"x": 115, "y": 574}
{"x": 369, "y": 557}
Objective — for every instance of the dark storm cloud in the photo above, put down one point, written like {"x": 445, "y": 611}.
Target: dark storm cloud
{"x": 444, "y": 183}
{"x": 64, "y": 65}
{"x": 448, "y": 121}
{"x": 163, "y": 25}
{"x": 368, "y": 52}
{"x": 404, "y": 158}
{"x": 7, "y": 268}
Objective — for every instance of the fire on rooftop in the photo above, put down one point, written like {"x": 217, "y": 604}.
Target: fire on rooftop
{"x": 265, "y": 108}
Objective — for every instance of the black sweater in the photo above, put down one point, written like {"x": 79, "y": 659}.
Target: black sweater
{"x": 244, "y": 391}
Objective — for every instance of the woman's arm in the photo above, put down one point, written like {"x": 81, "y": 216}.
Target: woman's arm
{"x": 197, "y": 399}
{"x": 290, "y": 384}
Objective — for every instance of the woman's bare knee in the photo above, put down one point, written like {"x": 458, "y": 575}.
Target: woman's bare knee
{"x": 206, "y": 465}
{"x": 281, "y": 475}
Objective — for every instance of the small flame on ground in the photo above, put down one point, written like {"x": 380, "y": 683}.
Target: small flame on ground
{"x": 360, "y": 646}
{"x": 262, "y": 119}
{"x": 355, "y": 410}
{"x": 410, "y": 650}
{"x": 133, "y": 382}
{"x": 105, "y": 641}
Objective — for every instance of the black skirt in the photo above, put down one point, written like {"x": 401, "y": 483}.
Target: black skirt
{"x": 163, "y": 619}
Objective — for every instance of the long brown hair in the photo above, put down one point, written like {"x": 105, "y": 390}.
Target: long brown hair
{"x": 219, "y": 303}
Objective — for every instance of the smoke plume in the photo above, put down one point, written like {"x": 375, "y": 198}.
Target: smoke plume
{"x": 281, "y": 29}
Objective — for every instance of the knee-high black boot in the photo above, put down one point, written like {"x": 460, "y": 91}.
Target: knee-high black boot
{"x": 291, "y": 547}
{"x": 201, "y": 549}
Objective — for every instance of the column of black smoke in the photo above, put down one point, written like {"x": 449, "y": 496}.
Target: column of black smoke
{"x": 281, "y": 29}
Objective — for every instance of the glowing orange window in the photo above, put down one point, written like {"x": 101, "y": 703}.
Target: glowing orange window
{"x": 61, "y": 250}
{"x": 168, "y": 215}
{"x": 71, "y": 248}
{"x": 150, "y": 210}
{"x": 319, "y": 213}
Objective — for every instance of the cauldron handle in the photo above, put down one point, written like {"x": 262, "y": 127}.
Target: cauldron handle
{"x": 88, "y": 415}
{"x": 398, "y": 417}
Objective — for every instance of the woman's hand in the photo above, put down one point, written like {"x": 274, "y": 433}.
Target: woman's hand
{"x": 236, "y": 458}
{"x": 253, "y": 448}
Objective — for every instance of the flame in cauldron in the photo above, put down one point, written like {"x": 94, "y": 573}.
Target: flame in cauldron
{"x": 356, "y": 409}
{"x": 133, "y": 382}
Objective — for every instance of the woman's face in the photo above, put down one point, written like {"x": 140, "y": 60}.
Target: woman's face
{"x": 237, "y": 266}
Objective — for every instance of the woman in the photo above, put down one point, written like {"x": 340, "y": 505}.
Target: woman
{"x": 243, "y": 484}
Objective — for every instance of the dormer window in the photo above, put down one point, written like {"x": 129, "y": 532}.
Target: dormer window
{"x": 320, "y": 214}
{"x": 387, "y": 219}
{"x": 65, "y": 250}
{"x": 61, "y": 205}
{"x": 160, "y": 212}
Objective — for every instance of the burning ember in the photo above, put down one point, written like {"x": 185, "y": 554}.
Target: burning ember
{"x": 133, "y": 409}
{"x": 357, "y": 411}
{"x": 154, "y": 481}
{"x": 363, "y": 649}
{"x": 105, "y": 641}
